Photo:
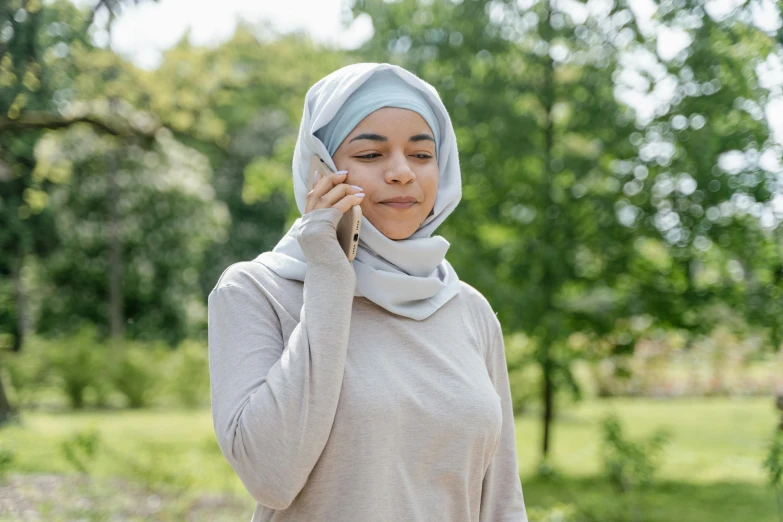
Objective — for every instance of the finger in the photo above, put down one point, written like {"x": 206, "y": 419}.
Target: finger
{"x": 349, "y": 201}
{"x": 336, "y": 194}
{"x": 323, "y": 185}
{"x": 328, "y": 181}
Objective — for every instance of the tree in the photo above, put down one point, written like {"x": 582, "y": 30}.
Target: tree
{"x": 168, "y": 217}
{"x": 31, "y": 91}
{"x": 556, "y": 165}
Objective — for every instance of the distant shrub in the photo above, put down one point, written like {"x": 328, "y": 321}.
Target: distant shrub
{"x": 773, "y": 464}
{"x": 136, "y": 372}
{"x": 630, "y": 464}
{"x": 7, "y": 458}
{"x": 155, "y": 466}
{"x": 88, "y": 372}
{"x": 26, "y": 371}
{"x": 187, "y": 378}
{"x": 81, "y": 450}
{"x": 77, "y": 362}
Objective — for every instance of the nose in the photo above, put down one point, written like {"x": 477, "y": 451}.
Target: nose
{"x": 399, "y": 170}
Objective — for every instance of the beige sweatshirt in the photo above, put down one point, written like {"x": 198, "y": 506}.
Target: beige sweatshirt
{"x": 330, "y": 408}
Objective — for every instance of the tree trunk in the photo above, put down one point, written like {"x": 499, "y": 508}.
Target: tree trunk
{"x": 549, "y": 404}
{"x": 7, "y": 412}
{"x": 22, "y": 323}
{"x": 117, "y": 313}
{"x": 547, "y": 283}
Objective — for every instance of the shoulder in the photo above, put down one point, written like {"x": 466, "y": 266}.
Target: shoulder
{"x": 257, "y": 281}
{"x": 481, "y": 314}
{"x": 242, "y": 274}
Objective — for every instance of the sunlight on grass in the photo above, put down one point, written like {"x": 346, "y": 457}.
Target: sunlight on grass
{"x": 181, "y": 443}
{"x": 713, "y": 439}
{"x": 715, "y": 454}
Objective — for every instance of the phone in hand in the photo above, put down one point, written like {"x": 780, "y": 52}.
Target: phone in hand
{"x": 350, "y": 224}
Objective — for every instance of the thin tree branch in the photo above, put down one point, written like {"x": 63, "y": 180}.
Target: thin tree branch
{"x": 44, "y": 120}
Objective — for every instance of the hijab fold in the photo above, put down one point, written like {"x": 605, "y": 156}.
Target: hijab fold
{"x": 409, "y": 277}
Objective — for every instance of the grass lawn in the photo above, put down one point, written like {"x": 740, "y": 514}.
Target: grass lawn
{"x": 711, "y": 468}
{"x": 712, "y": 439}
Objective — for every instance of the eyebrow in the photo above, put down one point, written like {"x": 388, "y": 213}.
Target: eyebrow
{"x": 378, "y": 137}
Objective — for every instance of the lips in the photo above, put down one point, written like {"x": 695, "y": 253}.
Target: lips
{"x": 400, "y": 199}
{"x": 400, "y": 202}
{"x": 393, "y": 204}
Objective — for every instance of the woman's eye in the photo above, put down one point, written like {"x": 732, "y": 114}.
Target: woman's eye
{"x": 374, "y": 155}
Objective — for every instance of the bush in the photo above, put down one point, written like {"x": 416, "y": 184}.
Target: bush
{"x": 137, "y": 372}
{"x": 81, "y": 450}
{"x": 630, "y": 464}
{"x": 773, "y": 464}
{"x": 77, "y": 362}
{"x": 7, "y": 458}
{"x": 188, "y": 374}
{"x": 87, "y": 372}
{"x": 25, "y": 372}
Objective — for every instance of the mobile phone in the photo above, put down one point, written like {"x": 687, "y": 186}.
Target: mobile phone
{"x": 350, "y": 224}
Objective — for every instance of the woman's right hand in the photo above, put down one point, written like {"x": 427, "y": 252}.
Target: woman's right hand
{"x": 330, "y": 191}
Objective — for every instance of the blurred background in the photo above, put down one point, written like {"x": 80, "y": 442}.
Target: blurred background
{"x": 623, "y": 192}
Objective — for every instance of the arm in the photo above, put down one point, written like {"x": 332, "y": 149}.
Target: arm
{"x": 273, "y": 405}
{"x": 501, "y": 494}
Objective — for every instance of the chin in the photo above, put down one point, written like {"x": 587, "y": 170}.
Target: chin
{"x": 398, "y": 233}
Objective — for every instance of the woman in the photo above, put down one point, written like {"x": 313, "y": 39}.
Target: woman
{"x": 372, "y": 390}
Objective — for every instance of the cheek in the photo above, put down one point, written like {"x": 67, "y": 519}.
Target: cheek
{"x": 361, "y": 177}
{"x": 430, "y": 185}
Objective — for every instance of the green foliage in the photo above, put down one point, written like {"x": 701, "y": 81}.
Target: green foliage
{"x": 27, "y": 371}
{"x": 773, "y": 464}
{"x": 137, "y": 372}
{"x": 152, "y": 467}
{"x": 167, "y": 219}
{"x": 146, "y": 466}
{"x": 584, "y": 213}
{"x": 187, "y": 378}
{"x": 89, "y": 372}
{"x": 559, "y": 513}
{"x": 81, "y": 450}
{"x": 630, "y": 465}
{"x": 591, "y": 499}
{"x": 7, "y": 458}
{"x": 77, "y": 362}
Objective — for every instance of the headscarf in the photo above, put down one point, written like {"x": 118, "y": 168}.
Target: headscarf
{"x": 383, "y": 89}
{"x": 409, "y": 277}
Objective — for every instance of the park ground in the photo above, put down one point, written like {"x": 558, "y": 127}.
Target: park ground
{"x": 164, "y": 465}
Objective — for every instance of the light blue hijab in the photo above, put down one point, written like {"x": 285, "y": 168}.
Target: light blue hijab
{"x": 383, "y": 89}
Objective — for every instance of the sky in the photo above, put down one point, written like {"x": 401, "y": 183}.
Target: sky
{"x": 143, "y": 31}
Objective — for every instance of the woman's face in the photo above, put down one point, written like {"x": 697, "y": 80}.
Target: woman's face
{"x": 391, "y": 154}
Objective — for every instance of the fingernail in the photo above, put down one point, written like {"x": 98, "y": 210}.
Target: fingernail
{"x": 341, "y": 172}
{"x": 315, "y": 176}
{"x": 360, "y": 194}
{"x": 357, "y": 188}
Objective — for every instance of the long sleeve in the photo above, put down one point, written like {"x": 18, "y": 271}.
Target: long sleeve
{"x": 274, "y": 402}
{"x": 501, "y": 495}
